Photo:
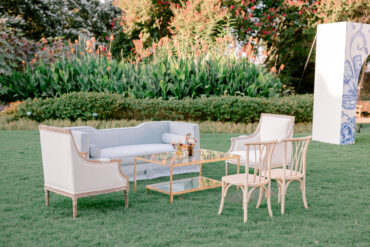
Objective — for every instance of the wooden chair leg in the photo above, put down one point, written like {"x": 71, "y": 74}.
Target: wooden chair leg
{"x": 245, "y": 203}
{"x": 303, "y": 189}
{"x": 283, "y": 191}
{"x": 126, "y": 199}
{"x": 268, "y": 194}
{"x": 74, "y": 204}
{"x": 279, "y": 192}
{"x": 222, "y": 198}
{"x": 47, "y": 195}
{"x": 260, "y": 198}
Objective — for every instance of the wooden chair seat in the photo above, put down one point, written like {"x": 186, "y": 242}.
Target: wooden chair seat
{"x": 278, "y": 174}
{"x": 239, "y": 180}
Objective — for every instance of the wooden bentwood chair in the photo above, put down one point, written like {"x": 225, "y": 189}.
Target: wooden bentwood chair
{"x": 69, "y": 173}
{"x": 294, "y": 168}
{"x": 259, "y": 154}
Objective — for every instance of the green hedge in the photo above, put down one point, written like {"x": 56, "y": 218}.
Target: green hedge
{"x": 113, "y": 106}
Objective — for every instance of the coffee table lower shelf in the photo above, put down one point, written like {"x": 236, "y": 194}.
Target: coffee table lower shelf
{"x": 186, "y": 185}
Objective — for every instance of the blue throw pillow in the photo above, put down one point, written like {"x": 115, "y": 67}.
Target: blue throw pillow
{"x": 94, "y": 151}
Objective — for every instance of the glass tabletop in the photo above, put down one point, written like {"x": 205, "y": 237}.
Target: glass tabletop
{"x": 186, "y": 185}
{"x": 200, "y": 156}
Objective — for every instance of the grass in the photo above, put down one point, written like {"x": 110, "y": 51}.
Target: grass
{"x": 338, "y": 197}
{"x": 205, "y": 127}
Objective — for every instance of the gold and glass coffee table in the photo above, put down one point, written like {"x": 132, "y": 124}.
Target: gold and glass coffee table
{"x": 187, "y": 185}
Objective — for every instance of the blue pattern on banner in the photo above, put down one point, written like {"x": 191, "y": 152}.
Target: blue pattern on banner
{"x": 347, "y": 131}
{"x": 358, "y": 53}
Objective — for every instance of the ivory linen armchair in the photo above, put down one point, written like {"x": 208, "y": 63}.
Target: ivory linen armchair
{"x": 67, "y": 172}
{"x": 270, "y": 127}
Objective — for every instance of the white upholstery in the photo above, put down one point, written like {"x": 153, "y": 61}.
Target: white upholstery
{"x": 131, "y": 150}
{"x": 65, "y": 170}
{"x": 128, "y": 152}
{"x": 82, "y": 140}
{"x": 146, "y": 138}
{"x": 271, "y": 127}
{"x": 274, "y": 128}
{"x": 253, "y": 156}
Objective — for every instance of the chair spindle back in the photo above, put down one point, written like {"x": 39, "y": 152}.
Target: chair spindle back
{"x": 295, "y": 153}
{"x": 260, "y": 155}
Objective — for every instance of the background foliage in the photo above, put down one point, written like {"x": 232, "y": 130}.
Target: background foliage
{"x": 78, "y": 66}
{"x": 15, "y": 50}
{"x": 164, "y": 79}
{"x": 53, "y": 18}
{"x": 285, "y": 28}
{"x": 150, "y": 33}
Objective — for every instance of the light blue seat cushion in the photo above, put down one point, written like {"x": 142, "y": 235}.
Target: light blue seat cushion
{"x": 128, "y": 152}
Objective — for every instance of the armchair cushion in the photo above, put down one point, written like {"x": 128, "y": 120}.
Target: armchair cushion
{"x": 273, "y": 128}
{"x": 169, "y": 138}
{"x": 94, "y": 151}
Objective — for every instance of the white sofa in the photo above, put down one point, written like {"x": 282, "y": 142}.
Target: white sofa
{"x": 126, "y": 143}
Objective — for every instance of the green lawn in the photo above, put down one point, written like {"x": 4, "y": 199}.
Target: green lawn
{"x": 338, "y": 196}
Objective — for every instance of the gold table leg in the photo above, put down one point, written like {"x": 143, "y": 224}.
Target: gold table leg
{"x": 171, "y": 196}
{"x": 200, "y": 171}
{"x": 238, "y": 170}
{"x": 135, "y": 175}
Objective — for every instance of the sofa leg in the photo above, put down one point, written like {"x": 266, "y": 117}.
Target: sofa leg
{"x": 74, "y": 203}
{"x": 126, "y": 199}
{"x": 47, "y": 196}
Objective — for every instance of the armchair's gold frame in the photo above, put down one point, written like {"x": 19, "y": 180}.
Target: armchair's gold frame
{"x": 83, "y": 156}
